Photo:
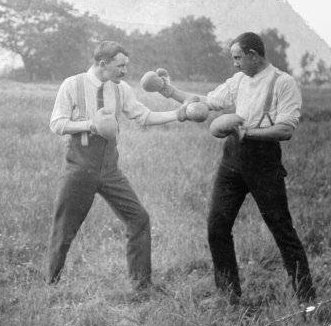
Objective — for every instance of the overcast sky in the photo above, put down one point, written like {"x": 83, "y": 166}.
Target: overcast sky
{"x": 317, "y": 15}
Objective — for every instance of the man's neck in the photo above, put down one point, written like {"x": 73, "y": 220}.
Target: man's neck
{"x": 96, "y": 72}
{"x": 264, "y": 64}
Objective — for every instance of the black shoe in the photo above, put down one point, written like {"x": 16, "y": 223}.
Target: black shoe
{"x": 307, "y": 298}
{"x": 234, "y": 299}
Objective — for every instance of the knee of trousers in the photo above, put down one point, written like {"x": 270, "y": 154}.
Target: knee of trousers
{"x": 219, "y": 224}
{"x": 59, "y": 246}
{"x": 219, "y": 230}
{"x": 141, "y": 222}
{"x": 61, "y": 236}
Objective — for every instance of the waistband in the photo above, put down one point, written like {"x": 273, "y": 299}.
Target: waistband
{"x": 100, "y": 155}
{"x": 251, "y": 154}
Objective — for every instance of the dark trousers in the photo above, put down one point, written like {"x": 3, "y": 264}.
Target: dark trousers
{"x": 268, "y": 190}
{"x": 76, "y": 192}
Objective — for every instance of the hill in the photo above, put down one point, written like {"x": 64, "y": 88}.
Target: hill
{"x": 230, "y": 19}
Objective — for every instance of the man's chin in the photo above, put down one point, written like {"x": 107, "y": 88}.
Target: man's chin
{"x": 117, "y": 80}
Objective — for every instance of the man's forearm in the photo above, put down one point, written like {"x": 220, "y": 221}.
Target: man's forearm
{"x": 158, "y": 118}
{"x": 278, "y": 132}
{"x": 64, "y": 126}
{"x": 181, "y": 96}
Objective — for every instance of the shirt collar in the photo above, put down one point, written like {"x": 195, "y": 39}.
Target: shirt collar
{"x": 263, "y": 72}
{"x": 93, "y": 78}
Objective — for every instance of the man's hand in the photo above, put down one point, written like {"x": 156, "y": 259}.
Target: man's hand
{"x": 193, "y": 110}
{"x": 163, "y": 73}
{"x": 226, "y": 124}
{"x": 105, "y": 124}
{"x": 167, "y": 89}
{"x": 241, "y": 132}
{"x": 182, "y": 111}
{"x": 157, "y": 82}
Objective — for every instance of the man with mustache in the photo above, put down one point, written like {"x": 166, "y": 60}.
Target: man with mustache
{"x": 269, "y": 102}
{"x": 86, "y": 110}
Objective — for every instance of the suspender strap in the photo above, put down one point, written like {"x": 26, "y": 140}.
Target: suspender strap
{"x": 268, "y": 101}
{"x": 118, "y": 101}
{"x": 81, "y": 104}
{"x": 118, "y": 106}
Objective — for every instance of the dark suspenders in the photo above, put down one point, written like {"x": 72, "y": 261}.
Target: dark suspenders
{"x": 268, "y": 101}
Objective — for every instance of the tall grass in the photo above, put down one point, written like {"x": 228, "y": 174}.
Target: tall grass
{"x": 172, "y": 169}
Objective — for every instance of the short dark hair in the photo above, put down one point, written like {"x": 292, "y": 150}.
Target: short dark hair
{"x": 250, "y": 41}
{"x": 107, "y": 50}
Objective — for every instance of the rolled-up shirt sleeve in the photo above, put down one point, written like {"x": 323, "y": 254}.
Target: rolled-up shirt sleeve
{"x": 63, "y": 105}
{"x": 132, "y": 108}
{"x": 224, "y": 96}
{"x": 289, "y": 103}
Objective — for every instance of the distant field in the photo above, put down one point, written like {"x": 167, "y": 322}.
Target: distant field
{"x": 172, "y": 169}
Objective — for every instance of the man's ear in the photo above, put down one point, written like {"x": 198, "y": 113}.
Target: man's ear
{"x": 252, "y": 52}
{"x": 102, "y": 63}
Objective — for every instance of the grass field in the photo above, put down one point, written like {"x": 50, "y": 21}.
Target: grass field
{"x": 172, "y": 169}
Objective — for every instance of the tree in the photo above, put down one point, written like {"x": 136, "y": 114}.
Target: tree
{"x": 276, "y": 46}
{"x": 53, "y": 40}
{"x": 314, "y": 72}
{"x": 306, "y": 64}
{"x": 71, "y": 47}
{"x": 144, "y": 53}
{"x": 191, "y": 50}
{"x": 25, "y": 26}
{"x": 322, "y": 74}
{"x": 66, "y": 51}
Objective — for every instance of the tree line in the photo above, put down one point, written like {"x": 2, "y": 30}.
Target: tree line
{"x": 55, "y": 41}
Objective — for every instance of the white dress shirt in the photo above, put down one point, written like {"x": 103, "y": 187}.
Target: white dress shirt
{"x": 246, "y": 96}
{"x": 65, "y": 107}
